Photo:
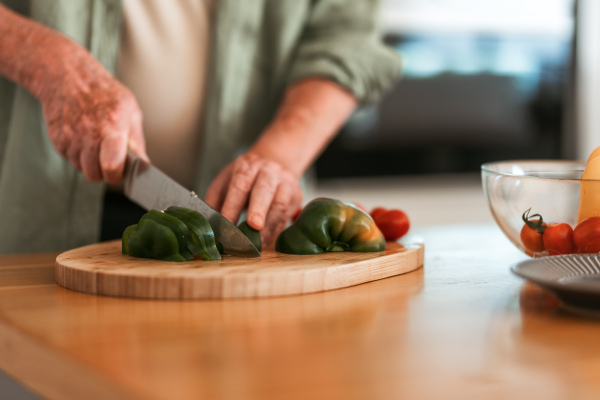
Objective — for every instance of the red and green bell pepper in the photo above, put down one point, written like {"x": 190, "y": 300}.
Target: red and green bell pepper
{"x": 328, "y": 225}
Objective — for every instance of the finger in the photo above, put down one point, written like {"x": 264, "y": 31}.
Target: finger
{"x": 55, "y": 129}
{"x": 277, "y": 212}
{"x": 242, "y": 179}
{"x": 112, "y": 155}
{"x": 74, "y": 150}
{"x": 60, "y": 139}
{"x": 273, "y": 236}
{"x": 215, "y": 195}
{"x": 296, "y": 202}
{"x": 90, "y": 165}
{"x": 261, "y": 198}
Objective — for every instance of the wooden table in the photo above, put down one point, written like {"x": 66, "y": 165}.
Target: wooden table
{"x": 461, "y": 327}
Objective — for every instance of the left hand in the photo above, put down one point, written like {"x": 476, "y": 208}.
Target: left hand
{"x": 271, "y": 193}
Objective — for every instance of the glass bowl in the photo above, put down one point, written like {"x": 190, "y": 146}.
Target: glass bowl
{"x": 550, "y": 188}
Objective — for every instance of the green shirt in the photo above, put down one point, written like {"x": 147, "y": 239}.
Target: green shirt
{"x": 260, "y": 48}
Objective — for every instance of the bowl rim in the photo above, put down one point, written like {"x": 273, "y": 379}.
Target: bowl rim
{"x": 485, "y": 167}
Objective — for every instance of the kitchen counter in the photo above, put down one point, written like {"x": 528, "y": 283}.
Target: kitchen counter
{"x": 461, "y": 327}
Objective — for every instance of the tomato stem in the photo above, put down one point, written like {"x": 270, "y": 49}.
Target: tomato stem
{"x": 537, "y": 225}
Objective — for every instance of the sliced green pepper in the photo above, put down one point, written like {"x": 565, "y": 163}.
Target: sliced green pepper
{"x": 161, "y": 242}
{"x": 328, "y": 225}
{"x": 201, "y": 233}
{"x": 251, "y": 234}
{"x": 176, "y": 235}
{"x": 181, "y": 231}
{"x": 131, "y": 243}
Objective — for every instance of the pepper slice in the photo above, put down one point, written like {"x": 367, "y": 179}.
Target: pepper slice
{"x": 130, "y": 242}
{"x": 251, "y": 234}
{"x": 176, "y": 235}
{"x": 180, "y": 230}
{"x": 202, "y": 238}
{"x": 329, "y": 225}
{"x": 150, "y": 239}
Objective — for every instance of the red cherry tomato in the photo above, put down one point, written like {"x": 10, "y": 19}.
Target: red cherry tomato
{"x": 587, "y": 235}
{"x": 392, "y": 223}
{"x": 558, "y": 239}
{"x": 531, "y": 233}
{"x": 378, "y": 211}
{"x": 532, "y": 239}
{"x": 296, "y": 214}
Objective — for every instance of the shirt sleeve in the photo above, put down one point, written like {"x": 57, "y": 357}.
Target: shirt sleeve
{"x": 341, "y": 42}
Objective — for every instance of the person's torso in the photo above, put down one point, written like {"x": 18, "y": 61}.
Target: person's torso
{"x": 163, "y": 61}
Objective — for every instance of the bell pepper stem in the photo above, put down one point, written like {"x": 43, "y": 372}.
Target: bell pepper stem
{"x": 338, "y": 246}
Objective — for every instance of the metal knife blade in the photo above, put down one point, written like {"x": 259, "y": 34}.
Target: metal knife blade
{"x": 152, "y": 189}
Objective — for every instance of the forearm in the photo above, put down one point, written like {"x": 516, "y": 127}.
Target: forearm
{"x": 312, "y": 112}
{"x": 31, "y": 54}
{"x": 91, "y": 118}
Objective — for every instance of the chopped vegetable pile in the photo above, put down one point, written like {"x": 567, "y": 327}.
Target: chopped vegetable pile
{"x": 177, "y": 234}
{"x": 324, "y": 225}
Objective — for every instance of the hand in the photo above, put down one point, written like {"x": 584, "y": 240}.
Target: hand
{"x": 92, "y": 118}
{"x": 271, "y": 193}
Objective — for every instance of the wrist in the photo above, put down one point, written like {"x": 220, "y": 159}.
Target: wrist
{"x": 290, "y": 145}
{"x": 276, "y": 153}
{"x": 47, "y": 68}
{"x": 311, "y": 114}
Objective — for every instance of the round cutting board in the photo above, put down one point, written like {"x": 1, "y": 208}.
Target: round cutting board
{"x": 102, "y": 269}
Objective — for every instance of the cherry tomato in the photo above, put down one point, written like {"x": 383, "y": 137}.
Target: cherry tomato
{"x": 558, "y": 239}
{"x": 296, "y": 214}
{"x": 392, "y": 223}
{"x": 532, "y": 231}
{"x": 587, "y": 235}
{"x": 377, "y": 211}
{"x": 532, "y": 239}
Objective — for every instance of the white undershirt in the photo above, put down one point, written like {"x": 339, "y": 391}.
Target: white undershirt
{"x": 163, "y": 61}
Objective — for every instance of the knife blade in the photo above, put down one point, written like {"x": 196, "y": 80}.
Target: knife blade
{"x": 152, "y": 189}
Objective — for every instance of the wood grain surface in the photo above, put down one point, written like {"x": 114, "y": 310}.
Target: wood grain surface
{"x": 462, "y": 327}
{"x": 102, "y": 269}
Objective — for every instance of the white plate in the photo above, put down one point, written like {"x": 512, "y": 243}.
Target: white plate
{"x": 573, "y": 278}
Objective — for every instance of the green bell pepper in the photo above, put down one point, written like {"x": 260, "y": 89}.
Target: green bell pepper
{"x": 251, "y": 234}
{"x": 328, "y": 225}
{"x": 203, "y": 241}
{"x": 177, "y": 234}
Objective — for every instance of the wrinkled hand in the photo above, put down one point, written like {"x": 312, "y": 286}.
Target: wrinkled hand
{"x": 271, "y": 193}
{"x": 92, "y": 118}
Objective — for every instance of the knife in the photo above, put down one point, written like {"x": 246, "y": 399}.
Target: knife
{"x": 152, "y": 189}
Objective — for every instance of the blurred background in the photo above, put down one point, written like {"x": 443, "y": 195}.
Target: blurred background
{"x": 482, "y": 81}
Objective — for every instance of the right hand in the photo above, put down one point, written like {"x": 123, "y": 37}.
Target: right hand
{"x": 91, "y": 117}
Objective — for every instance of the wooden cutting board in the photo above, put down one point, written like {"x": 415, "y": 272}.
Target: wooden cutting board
{"x": 102, "y": 269}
